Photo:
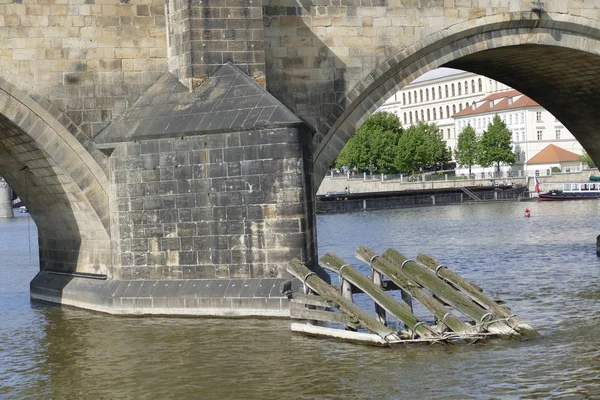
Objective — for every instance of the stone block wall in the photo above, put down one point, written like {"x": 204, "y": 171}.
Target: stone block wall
{"x": 6, "y": 210}
{"x": 228, "y": 205}
{"x": 205, "y": 34}
{"x": 90, "y": 58}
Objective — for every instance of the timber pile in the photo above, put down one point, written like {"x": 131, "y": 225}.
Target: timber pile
{"x": 461, "y": 311}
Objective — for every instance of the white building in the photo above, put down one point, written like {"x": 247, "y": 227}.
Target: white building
{"x": 553, "y": 157}
{"x": 452, "y": 99}
{"x": 533, "y": 129}
{"x": 437, "y": 96}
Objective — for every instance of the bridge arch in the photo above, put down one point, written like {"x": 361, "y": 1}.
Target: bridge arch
{"x": 65, "y": 190}
{"x": 511, "y": 48}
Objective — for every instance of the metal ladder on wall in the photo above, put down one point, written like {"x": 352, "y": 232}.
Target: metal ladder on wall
{"x": 469, "y": 193}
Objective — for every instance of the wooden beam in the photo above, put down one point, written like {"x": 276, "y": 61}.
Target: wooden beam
{"x": 380, "y": 311}
{"x": 475, "y": 293}
{"x": 387, "y": 302}
{"x": 346, "y": 292}
{"x": 349, "y": 336}
{"x": 312, "y": 300}
{"x": 310, "y": 279}
{"x": 414, "y": 289}
{"x": 323, "y": 316}
{"x": 428, "y": 279}
{"x": 386, "y": 285}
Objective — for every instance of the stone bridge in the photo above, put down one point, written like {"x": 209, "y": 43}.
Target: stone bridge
{"x": 179, "y": 145}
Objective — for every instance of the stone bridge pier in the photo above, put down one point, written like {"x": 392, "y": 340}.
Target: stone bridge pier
{"x": 6, "y": 209}
{"x": 169, "y": 152}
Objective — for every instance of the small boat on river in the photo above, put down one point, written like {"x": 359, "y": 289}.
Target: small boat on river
{"x": 572, "y": 191}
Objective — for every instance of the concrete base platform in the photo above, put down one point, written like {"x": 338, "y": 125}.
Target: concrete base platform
{"x": 187, "y": 297}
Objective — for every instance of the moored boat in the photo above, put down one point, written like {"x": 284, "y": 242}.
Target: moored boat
{"x": 572, "y": 191}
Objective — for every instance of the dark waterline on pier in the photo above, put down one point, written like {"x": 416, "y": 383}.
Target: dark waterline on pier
{"x": 544, "y": 267}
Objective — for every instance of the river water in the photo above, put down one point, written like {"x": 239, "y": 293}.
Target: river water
{"x": 544, "y": 267}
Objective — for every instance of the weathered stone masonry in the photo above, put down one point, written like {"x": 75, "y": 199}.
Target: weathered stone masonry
{"x": 213, "y": 183}
{"x": 202, "y": 175}
{"x": 210, "y": 206}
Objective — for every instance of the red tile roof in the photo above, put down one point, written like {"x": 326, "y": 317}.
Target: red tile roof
{"x": 552, "y": 154}
{"x": 502, "y": 105}
{"x": 499, "y": 95}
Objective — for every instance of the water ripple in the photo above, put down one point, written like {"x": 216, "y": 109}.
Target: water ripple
{"x": 544, "y": 267}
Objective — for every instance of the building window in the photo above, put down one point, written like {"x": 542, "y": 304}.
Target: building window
{"x": 405, "y": 120}
{"x": 466, "y": 87}
{"x": 548, "y": 172}
{"x": 522, "y": 117}
{"x": 510, "y": 119}
{"x": 432, "y": 93}
{"x": 446, "y": 91}
{"x": 434, "y": 115}
{"x": 460, "y": 107}
{"x": 421, "y": 95}
{"x": 410, "y": 117}
{"x": 538, "y": 116}
{"x": 428, "y": 115}
{"x": 472, "y": 85}
{"x": 415, "y": 96}
{"x": 447, "y": 111}
{"x": 453, "y": 109}
{"x": 522, "y": 136}
{"x": 453, "y": 91}
{"x": 539, "y": 135}
{"x": 440, "y": 92}
{"x": 426, "y": 94}
{"x": 459, "y": 89}
{"x": 441, "y": 113}
{"x": 537, "y": 172}
{"x": 558, "y": 134}
{"x": 480, "y": 85}
{"x": 409, "y": 98}
{"x": 422, "y": 116}
{"x": 404, "y": 98}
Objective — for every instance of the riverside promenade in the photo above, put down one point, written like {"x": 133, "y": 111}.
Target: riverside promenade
{"x": 360, "y": 183}
{"x": 377, "y": 183}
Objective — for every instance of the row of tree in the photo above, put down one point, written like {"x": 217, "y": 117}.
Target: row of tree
{"x": 493, "y": 147}
{"x": 381, "y": 145}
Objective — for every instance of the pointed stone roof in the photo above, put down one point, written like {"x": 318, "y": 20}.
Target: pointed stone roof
{"x": 553, "y": 154}
{"x": 228, "y": 101}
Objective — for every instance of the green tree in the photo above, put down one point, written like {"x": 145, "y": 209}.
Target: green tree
{"x": 421, "y": 146}
{"x": 586, "y": 159}
{"x": 494, "y": 145}
{"x": 466, "y": 148}
{"x": 373, "y": 145}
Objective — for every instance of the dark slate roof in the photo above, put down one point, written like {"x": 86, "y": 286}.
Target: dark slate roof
{"x": 228, "y": 101}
